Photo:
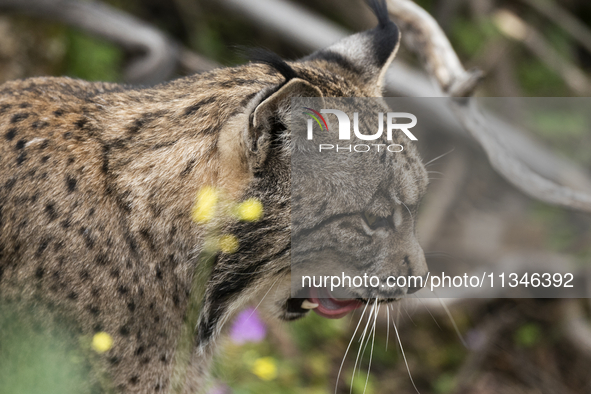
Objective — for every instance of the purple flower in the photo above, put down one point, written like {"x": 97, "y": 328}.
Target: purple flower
{"x": 248, "y": 327}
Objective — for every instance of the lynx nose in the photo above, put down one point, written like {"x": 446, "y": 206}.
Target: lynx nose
{"x": 417, "y": 271}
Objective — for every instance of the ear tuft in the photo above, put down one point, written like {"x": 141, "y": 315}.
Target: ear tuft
{"x": 368, "y": 53}
{"x": 380, "y": 9}
{"x": 386, "y": 36}
{"x": 264, "y": 56}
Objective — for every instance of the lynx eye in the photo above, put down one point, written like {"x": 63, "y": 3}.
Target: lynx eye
{"x": 375, "y": 221}
{"x": 370, "y": 219}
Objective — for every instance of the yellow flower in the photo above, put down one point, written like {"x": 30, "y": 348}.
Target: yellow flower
{"x": 250, "y": 210}
{"x": 205, "y": 204}
{"x": 265, "y": 368}
{"x": 101, "y": 342}
{"x": 228, "y": 244}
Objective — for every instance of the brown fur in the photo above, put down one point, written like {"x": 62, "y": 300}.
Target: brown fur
{"x": 97, "y": 184}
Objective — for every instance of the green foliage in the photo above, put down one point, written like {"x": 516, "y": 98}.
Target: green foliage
{"x": 560, "y": 41}
{"x": 445, "y": 383}
{"x": 210, "y": 43}
{"x": 537, "y": 79}
{"x": 560, "y": 124}
{"x": 528, "y": 335}
{"x": 37, "y": 359}
{"x": 427, "y": 4}
{"x": 236, "y": 367}
{"x": 361, "y": 383}
{"x": 92, "y": 59}
{"x": 220, "y": 38}
{"x": 566, "y": 128}
{"x": 315, "y": 329}
{"x": 469, "y": 37}
{"x": 561, "y": 234}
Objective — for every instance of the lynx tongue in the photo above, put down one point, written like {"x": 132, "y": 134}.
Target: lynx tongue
{"x": 330, "y": 307}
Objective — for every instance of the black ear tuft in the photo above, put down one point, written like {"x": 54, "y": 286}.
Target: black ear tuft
{"x": 264, "y": 56}
{"x": 383, "y": 43}
{"x": 368, "y": 53}
{"x": 380, "y": 9}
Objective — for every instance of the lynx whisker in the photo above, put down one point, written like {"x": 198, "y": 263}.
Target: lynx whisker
{"x": 373, "y": 339}
{"x": 366, "y": 342}
{"x": 406, "y": 206}
{"x": 408, "y": 314}
{"x": 428, "y": 311}
{"x": 360, "y": 346}
{"x": 348, "y": 347}
{"x": 453, "y": 321}
{"x": 262, "y": 299}
{"x": 439, "y": 157}
{"x": 404, "y": 357}
{"x": 387, "y": 327}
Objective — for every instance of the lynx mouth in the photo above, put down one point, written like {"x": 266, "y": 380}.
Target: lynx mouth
{"x": 325, "y": 305}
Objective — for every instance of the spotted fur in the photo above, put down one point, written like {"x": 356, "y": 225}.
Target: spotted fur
{"x": 98, "y": 180}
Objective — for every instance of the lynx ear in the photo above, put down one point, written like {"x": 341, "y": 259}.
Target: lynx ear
{"x": 272, "y": 116}
{"x": 368, "y": 53}
{"x": 279, "y": 103}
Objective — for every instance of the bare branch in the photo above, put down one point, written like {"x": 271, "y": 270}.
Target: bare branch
{"x": 155, "y": 55}
{"x": 430, "y": 42}
{"x": 517, "y": 29}
{"x": 292, "y": 22}
{"x": 513, "y": 169}
{"x": 422, "y": 34}
{"x": 564, "y": 19}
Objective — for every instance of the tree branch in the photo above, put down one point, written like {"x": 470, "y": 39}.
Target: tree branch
{"x": 511, "y": 168}
{"x": 517, "y": 29}
{"x": 564, "y": 19}
{"x": 429, "y": 41}
{"x": 424, "y": 36}
{"x": 155, "y": 55}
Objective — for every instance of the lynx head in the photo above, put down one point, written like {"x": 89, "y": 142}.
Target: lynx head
{"x": 360, "y": 214}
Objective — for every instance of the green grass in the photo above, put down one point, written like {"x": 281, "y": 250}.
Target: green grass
{"x": 36, "y": 359}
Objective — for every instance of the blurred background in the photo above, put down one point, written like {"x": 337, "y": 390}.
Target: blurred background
{"x": 527, "y": 48}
